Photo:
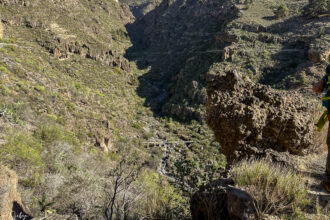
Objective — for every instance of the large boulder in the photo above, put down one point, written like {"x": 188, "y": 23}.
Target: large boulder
{"x": 11, "y": 206}
{"x": 249, "y": 118}
{"x": 221, "y": 200}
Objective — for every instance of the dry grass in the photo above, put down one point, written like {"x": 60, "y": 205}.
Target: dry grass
{"x": 276, "y": 190}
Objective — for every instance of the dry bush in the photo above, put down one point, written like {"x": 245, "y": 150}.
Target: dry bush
{"x": 134, "y": 192}
{"x": 97, "y": 186}
{"x": 275, "y": 189}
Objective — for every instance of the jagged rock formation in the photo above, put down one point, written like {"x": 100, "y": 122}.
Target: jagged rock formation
{"x": 11, "y": 206}
{"x": 252, "y": 120}
{"x": 249, "y": 118}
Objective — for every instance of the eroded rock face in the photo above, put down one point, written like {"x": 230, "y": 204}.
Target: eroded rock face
{"x": 104, "y": 136}
{"x": 11, "y": 206}
{"x": 248, "y": 118}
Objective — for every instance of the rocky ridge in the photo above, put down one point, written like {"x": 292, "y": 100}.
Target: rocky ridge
{"x": 62, "y": 38}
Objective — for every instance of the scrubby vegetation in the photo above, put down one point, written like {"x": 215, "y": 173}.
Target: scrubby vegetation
{"x": 282, "y": 11}
{"x": 317, "y": 7}
{"x": 274, "y": 189}
{"x": 53, "y": 108}
{"x": 75, "y": 115}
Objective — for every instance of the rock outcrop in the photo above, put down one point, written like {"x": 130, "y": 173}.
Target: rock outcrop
{"x": 249, "y": 118}
{"x": 220, "y": 200}
{"x": 64, "y": 48}
{"x": 11, "y": 206}
{"x": 104, "y": 136}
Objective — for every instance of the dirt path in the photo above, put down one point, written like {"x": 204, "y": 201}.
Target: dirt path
{"x": 313, "y": 169}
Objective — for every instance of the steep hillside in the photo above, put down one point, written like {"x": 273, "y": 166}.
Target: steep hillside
{"x": 100, "y": 92}
{"x": 70, "y": 114}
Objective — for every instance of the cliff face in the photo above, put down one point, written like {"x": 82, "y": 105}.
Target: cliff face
{"x": 249, "y": 118}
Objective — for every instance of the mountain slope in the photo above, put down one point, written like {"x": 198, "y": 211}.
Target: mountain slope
{"x": 91, "y": 86}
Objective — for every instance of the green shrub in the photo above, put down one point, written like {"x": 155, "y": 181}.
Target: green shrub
{"x": 3, "y": 68}
{"x": 282, "y": 11}
{"x": 39, "y": 88}
{"x": 117, "y": 70}
{"x": 161, "y": 200}
{"x": 52, "y": 116}
{"x": 5, "y": 90}
{"x": 11, "y": 47}
{"x": 316, "y": 8}
{"x": 275, "y": 190}
{"x": 71, "y": 106}
{"x": 136, "y": 125}
{"x": 50, "y": 133}
{"x": 12, "y": 112}
{"x": 24, "y": 151}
